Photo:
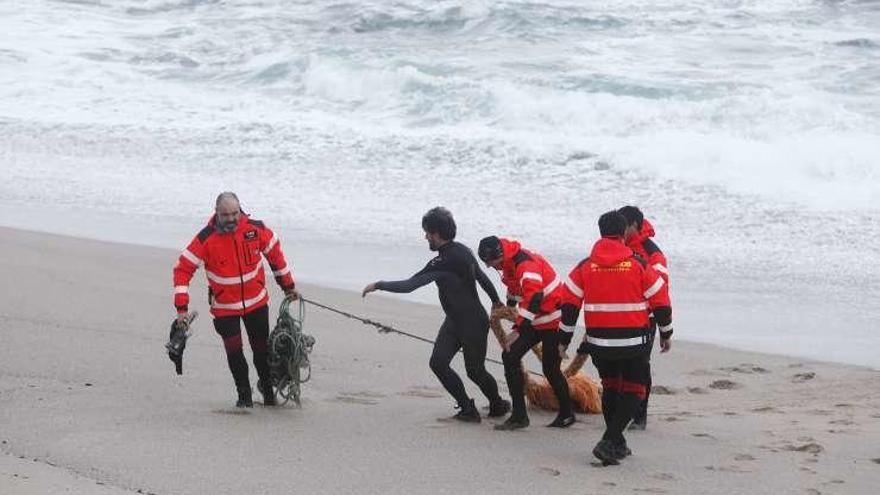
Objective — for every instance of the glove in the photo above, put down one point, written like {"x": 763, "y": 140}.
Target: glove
{"x": 582, "y": 349}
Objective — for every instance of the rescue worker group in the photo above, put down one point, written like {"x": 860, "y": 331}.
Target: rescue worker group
{"x": 621, "y": 286}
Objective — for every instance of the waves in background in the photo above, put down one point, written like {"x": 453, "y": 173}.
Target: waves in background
{"x": 749, "y": 131}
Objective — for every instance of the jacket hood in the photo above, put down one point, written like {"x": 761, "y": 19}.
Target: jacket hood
{"x": 509, "y": 248}
{"x": 609, "y": 251}
{"x": 646, "y": 233}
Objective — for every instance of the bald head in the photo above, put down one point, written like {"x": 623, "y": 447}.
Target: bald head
{"x": 226, "y": 196}
{"x": 227, "y": 212}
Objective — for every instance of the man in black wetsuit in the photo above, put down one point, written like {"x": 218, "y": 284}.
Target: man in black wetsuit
{"x": 455, "y": 271}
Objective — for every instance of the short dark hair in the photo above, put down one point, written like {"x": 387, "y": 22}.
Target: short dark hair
{"x": 490, "y": 248}
{"x": 612, "y": 224}
{"x": 438, "y": 220}
{"x": 633, "y": 215}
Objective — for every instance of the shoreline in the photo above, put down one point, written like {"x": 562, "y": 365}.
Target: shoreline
{"x": 86, "y": 388}
{"x": 427, "y": 295}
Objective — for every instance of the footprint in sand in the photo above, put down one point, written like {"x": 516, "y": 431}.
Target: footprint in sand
{"x": 842, "y": 422}
{"x": 809, "y": 448}
{"x": 664, "y": 477}
{"x": 876, "y": 460}
{"x": 696, "y": 390}
{"x": 232, "y": 412}
{"x": 728, "y": 469}
{"x": 703, "y": 435}
{"x": 425, "y": 392}
{"x": 744, "y": 457}
{"x": 803, "y": 377}
{"x": 765, "y": 409}
{"x": 730, "y": 413}
{"x": 724, "y": 385}
{"x": 364, "y": 398}
{"x": 548, "y": 471}
{"x": 813, "y": 491}
{"x": 745, "y": 368}
{"x": 661, "y": 390}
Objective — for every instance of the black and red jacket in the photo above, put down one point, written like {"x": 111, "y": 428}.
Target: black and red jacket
{"x": 234, "y": 267}
{"x": 618, "y": 290}
{"x": 643, "y": 245}
{"x": 532, "y": 282}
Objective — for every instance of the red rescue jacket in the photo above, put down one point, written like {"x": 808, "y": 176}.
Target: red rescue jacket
{"x": 532, "y": 282}
{"x": 234, "y": 267}
{"x": 644, "y": 246}
{"x": 618, "y": 290}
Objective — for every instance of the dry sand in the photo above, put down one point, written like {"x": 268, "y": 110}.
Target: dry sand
{"x": 89, "y": 403}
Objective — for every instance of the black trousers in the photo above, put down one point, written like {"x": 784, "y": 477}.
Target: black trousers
{"x": 513, "y": 370}
{"x": 470, "y": 337}
{"x": 641, "y": 413}
{"x": 624, "y": 382}
{"x": 257, "y": 325}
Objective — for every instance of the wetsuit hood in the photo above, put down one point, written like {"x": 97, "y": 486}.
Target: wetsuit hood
{"x": 609, "y": 251}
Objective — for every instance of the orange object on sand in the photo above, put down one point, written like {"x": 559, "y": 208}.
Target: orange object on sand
{"x": 586, "y": 394}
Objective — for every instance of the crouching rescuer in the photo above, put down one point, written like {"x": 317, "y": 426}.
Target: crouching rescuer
{"x": 532, "y": 285}
{"x": 618, "y": 291}
{"x": 232, "y": 247}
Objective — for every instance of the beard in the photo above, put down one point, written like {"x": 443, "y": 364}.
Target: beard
{"x": 226, "y": 227}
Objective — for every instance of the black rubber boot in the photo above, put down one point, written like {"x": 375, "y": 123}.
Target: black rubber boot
{"x": 513, "y": 423}
{"x": 468, "y": 413}
{"x": 244, "y": 398}
{"x": 499, "y": 408}
{"x": 563, "y": 421}
{"x": 606, "y": 452}
{"x": 268, "y": 393}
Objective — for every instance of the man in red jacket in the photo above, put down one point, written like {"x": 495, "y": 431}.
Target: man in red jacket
{"x": 638, "y": 237}
{"x": 618, "y": 290}
{"x": 232, "y": 247}
{"x": 532, "y": 285}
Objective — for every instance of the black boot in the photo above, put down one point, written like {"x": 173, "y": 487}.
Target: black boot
{"x": 622, "y": 450}
{"x": 468, "y": 413}
{"x": 499, "y": 408}
{"x": 267, "y": 391}
{"x": 563, "y": 421}
{"x": 244, "y": 398}
{"x": 514, "y": 422}
{"x": 606, "y": 452}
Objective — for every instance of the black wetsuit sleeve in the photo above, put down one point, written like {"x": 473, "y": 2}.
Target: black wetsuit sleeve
{"x": 486, "y": 284}
{"x": 420, "y": 279}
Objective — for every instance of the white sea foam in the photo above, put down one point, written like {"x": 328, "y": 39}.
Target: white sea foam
{"x": 748, "y": 130}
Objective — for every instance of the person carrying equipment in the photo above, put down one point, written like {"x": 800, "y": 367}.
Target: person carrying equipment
{"x": 232, "y": 247}
{"x": 618, "y": 290}
{"x": 466, "y": 327}
{"x": 638, "y": 237}
{"x": 532, "y": 285}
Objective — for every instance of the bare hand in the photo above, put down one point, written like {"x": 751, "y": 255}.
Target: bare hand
{"x": 180, "y": 321}
{"x": 291, "y": 294}
{"x": 665, "y": 344}
{"x": 563, "y": 351}
{"x": 369, "y": 288}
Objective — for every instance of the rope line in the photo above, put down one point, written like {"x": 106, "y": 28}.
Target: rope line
{"x": 383, "y": 328}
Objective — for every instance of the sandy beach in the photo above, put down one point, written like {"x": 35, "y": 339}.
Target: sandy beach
{"x": 89, "y": 403}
